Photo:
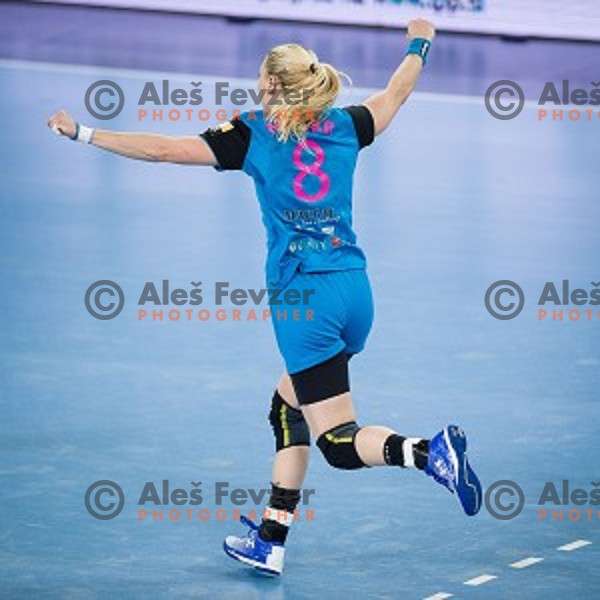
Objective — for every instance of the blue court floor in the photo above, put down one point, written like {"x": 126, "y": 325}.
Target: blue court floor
{"x": 447, "y": 202}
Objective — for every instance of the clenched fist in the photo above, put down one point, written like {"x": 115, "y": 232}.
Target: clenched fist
{"x": 420, "y": 28}
{"x": 62, "y": 123}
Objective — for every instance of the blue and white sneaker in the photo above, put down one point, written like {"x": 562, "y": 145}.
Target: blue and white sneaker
{"x": 251, "y": 549}
{"x": 447, "y": 463}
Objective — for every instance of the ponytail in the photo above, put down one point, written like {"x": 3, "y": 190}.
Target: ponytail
{"x": 317, "y": 85}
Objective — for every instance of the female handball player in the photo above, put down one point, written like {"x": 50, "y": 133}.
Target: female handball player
{"x": 301, "y": 152}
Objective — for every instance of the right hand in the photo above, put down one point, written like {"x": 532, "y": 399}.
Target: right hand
{"x": 63, "y": 123}
{"x": 420, "y": 28}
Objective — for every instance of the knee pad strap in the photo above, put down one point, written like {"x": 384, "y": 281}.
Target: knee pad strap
{"x": 337, "y": 446}
{"x": 288, "y": 424}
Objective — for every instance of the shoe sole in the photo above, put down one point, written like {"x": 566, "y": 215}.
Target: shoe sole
{"x": 467, "y": 485}
{"x": 250, "y": 562}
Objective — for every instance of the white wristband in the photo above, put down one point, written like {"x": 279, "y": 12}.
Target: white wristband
{"x": 84, "y": 134}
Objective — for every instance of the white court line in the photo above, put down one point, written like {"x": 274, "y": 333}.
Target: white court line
{"x": 526, "y": 562}
{"x": 480, "y": 580}
{"x": 68, "y": 69}
{"x": 574, "y": 545}
{"x": 520, "y": 564}
{"x": 144, "y": 74}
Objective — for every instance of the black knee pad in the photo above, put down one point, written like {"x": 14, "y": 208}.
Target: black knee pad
{"x": 288, "y": 424}
{"x": 337, "y": 446}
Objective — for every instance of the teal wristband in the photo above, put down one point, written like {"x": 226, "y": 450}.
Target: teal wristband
{"x": 419, "y": 46}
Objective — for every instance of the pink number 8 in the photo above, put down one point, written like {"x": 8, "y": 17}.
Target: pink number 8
{"x": 313, "y": 168}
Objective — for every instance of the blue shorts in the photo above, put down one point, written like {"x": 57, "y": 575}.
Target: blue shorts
{"x": 337, "y": 316}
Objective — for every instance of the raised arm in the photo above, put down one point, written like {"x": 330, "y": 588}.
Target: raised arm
{"x": 385, "y": 104}
{"x": 185, "y": 150}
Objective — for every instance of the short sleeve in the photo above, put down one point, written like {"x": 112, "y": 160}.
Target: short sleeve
{"x": 229, "y": 143}
{"x": 363, "y": 124}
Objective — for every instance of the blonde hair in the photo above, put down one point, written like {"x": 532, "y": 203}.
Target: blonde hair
{"x": 316, "y": 84}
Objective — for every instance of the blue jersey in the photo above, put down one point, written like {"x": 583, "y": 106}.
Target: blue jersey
{"x": 304, "y": 187}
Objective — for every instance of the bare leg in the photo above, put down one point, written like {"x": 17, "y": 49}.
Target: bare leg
{"x": 325, "y": 415}
{"x": 375, "y": 446}
{"x": 290, "y": 464}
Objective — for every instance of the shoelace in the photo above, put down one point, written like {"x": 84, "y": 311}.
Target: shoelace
{"x": 250, "y": 540}
{"x": 440, "y": 473}
{"x": 441, "y": 467}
